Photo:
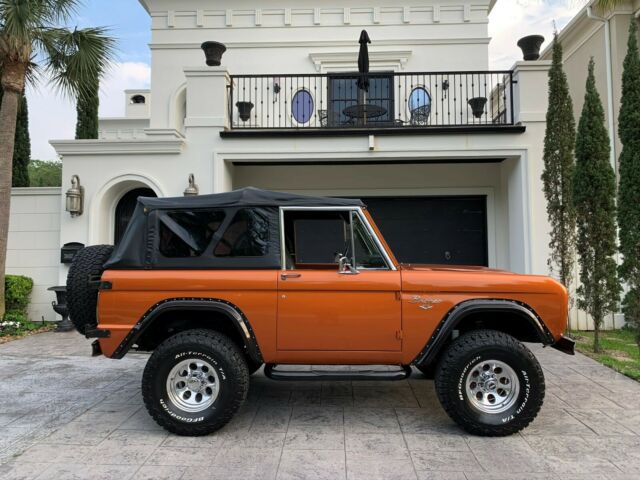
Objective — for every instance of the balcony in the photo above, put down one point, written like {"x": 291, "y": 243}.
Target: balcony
{"x": 375, "y": 103}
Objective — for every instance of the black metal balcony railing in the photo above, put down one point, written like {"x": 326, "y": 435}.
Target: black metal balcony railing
{"x": 392, "y": 100}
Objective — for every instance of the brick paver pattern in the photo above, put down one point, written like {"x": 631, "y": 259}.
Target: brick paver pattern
{"x": 65, "y": 415}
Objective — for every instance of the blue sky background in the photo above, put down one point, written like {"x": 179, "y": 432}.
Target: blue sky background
{"x": 128, "y": 21}
{"x": 53, "y": 117}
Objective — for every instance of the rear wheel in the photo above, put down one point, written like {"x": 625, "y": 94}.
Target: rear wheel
{"x": 490, "y": 383}
{"x": 194, "y": 382}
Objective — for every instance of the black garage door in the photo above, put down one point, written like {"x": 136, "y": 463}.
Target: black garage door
{"x": 444, "y": 230}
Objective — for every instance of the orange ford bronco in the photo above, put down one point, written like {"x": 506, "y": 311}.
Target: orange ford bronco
{"x": 215, "y": 286}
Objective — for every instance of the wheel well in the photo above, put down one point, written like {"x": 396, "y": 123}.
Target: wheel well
{"x": 511, "y": 323}
{"x": 171, "y": 322}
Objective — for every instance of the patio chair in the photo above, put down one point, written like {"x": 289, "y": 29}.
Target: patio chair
{"x": 420, "y": 115}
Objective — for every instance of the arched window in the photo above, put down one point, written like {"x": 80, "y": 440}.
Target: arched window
{"x": 419, "y": 98}
{"x": 125, "y": 208}
{"x": 302, "y": 106}
{"x": 138, "y": 99}
{"x": 419, "y": 106}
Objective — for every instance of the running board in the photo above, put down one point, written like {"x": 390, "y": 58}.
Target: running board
{"x": 280, "y": 372}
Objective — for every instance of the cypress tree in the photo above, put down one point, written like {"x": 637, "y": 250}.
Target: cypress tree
{"x": 22, "y": 146}
{"x": 629, "y": 190}
{"x": 87, "y": 112}
{"x": 594, "y": 197}
{"x": 559, "y": 168}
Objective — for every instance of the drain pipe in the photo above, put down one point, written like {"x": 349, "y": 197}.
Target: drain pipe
{"x": 607, "y": 50}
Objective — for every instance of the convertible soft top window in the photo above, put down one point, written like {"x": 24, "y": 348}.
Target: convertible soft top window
{"x": 234, "y": 230}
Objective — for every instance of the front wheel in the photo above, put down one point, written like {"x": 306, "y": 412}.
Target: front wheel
{"x": 194, "y": 382}
{"x": 490, "y": 383}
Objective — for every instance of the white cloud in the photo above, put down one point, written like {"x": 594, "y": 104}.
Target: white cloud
{"x": 511, "y": 20}
{"x": 51, "y": 116}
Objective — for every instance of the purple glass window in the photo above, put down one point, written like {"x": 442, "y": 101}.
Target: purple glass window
{"x": 302, "y": 106}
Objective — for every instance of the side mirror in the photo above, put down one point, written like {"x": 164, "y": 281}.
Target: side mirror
{"x": 344, "y": 267}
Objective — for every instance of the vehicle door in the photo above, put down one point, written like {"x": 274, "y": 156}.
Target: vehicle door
{"x": 338, "y": 290}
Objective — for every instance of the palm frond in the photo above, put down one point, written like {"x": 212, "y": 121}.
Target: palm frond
{"x": 608, "y": 5}
{"x": 76, "y": 58}
{"x": 19, "y": 19}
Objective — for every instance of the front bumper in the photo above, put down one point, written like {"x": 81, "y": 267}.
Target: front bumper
{"x": 565, "y": 345}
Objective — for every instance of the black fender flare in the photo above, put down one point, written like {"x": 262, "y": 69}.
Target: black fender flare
{"x": 228, "y": 309}
{"x": 454, "y": 316}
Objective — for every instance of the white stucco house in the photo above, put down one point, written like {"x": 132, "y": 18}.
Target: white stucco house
{"x": 447, "y": 182}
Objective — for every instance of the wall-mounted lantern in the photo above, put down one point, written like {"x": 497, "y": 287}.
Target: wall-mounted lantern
{"x": 75, "y": 197}
{"x": 192, "y": 190}
{"x": 445, "y": 88}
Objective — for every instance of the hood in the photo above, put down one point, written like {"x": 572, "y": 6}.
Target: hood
{"x": 473, "y": 279}
{"x": 449, "y": 268}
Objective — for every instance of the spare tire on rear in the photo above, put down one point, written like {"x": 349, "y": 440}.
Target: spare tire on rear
{"x": 82, "y": 285}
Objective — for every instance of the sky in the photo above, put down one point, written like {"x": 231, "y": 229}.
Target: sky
{"x": 53, "y": 117}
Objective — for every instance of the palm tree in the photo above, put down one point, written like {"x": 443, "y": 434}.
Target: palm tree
{"x": 605, "y": 5}
{"x": 32, "y": 39}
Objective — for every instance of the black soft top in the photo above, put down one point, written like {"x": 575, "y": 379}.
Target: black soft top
{"x": 247, "y": 197}
{"x": 153, "y": 219}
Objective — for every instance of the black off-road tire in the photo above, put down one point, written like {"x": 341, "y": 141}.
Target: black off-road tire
{"x": 82, "y": 296}
{"x": 221, "y": 354}
{"x": 459, "y": 362}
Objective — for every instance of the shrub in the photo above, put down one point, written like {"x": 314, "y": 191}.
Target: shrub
{"x": 17, "y": 293}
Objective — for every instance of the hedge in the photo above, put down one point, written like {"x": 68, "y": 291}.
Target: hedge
{"x": 17, "y": 294}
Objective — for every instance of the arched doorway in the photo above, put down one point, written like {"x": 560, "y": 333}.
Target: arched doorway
{"x": 124, "y": 210}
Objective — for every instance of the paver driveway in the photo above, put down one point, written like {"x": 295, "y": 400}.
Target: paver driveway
{"x": 65, "y": 415}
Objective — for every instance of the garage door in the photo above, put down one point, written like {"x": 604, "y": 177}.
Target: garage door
{"x": 443, "y": 230}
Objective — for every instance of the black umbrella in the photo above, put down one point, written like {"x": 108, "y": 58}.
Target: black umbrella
{"x": 363, "y": 61}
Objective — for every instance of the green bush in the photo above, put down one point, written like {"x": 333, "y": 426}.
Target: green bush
{"x": 17, "y": 294}
{"x": 14, "y": 316}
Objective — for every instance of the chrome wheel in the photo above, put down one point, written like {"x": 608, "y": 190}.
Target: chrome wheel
{"x": 492, "y": 386}
{"x": 193, "y": 385}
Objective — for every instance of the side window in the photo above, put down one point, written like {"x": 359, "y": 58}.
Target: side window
{"x": 367, "y": 253}
{"x": 188, "y": 233}
{"x": 317, "y": 241}
{"x": 313, "y": 240}
{"x": 246, "y": 236}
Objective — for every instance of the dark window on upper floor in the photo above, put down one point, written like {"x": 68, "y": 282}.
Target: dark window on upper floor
{"x": 344, "y": 92}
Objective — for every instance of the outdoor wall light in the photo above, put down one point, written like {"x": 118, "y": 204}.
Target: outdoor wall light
{"x": 192, "y": 190}
{"x": 75, "y": 197}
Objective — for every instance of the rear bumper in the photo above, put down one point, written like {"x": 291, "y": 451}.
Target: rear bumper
{"x": 565, "y": 345}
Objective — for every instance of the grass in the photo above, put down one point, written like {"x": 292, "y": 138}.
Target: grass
{"x": 619, "y": 350}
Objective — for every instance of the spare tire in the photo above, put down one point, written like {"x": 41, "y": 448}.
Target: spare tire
{"x": 82, "y": 285}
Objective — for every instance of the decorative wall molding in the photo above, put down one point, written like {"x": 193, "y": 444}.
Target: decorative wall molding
{"x": 328, "y": 43}
{"x": 322, "y": 16}
{"x": 154, "y": 146}
{"x": 324, "y": 62}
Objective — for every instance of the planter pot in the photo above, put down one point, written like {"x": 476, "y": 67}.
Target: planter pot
{"x": 213, "y": 52}
{"x": 477, "y": 106}
{"x": 244, "y": 110}
{"x": 530, "y": 46}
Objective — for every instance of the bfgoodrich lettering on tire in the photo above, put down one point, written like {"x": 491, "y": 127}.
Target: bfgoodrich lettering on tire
{"x": 490, "y": 383}
{"x": 194, "y": 382}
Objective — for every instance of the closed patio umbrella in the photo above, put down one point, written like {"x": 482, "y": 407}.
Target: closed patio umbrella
{"x": 363, "y": 61}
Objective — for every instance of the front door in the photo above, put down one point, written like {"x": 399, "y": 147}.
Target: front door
{"x": 323, "y": 309}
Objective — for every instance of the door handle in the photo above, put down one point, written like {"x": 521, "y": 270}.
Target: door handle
{"x": 284, "y": 276}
